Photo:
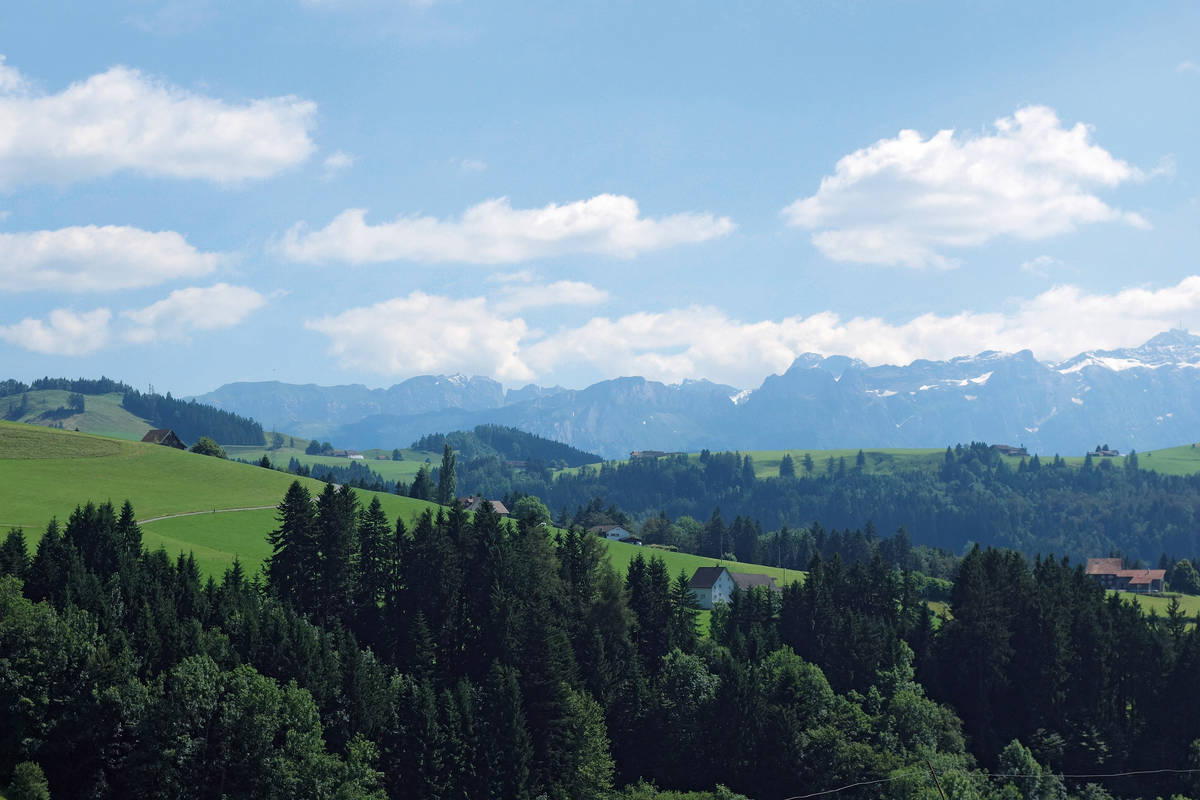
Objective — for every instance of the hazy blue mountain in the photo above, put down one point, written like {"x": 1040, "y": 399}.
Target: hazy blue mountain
{"x": 1142, "y": 397}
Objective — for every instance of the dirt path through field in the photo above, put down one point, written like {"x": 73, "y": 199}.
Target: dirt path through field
{"x": 196, "y": 513}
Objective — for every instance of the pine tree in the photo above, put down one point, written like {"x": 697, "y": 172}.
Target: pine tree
{"x": 373, "y": 569}
{"x": 715, "y": 536}
{"x": 422, "y": 485}
{"x": 337, "y": 511}
{"x": 446, "y": 479}
{"x": 685, "y": 611}
{"x": 787, "y": 467}
{"x": 505, "y": 747}
{"x": 14, "y": 556}
{"x": 293, "y": 548}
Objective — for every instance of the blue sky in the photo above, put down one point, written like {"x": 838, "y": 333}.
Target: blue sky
{"x": 339, "y": 191}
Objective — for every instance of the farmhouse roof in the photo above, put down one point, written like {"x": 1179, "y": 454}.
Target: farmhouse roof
{"x": 602, "y": 528}
{"x": 705, "y": 577}
{"x": 474, "y": 503}
{"x": 749, "y": 580}
{"x": 1104, "y": 566}
{"x": 164, "y": 436}
{"x": 1142, "y": 577}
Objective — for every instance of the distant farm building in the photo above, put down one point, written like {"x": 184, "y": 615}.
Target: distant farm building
{"x": 164, "y": 436}
{"x": 1110, "y": 574}
{"x": 614, "y": 533}
{"x": 1009, "y": 450}
{"x": 1104, "y": 452}
{"x": 651, "y": 454}
{"x": 711, "y": 585}
{"x": 474, "y": 503}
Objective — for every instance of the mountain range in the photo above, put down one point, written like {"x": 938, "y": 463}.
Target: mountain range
{"x": 1143, "y": 397}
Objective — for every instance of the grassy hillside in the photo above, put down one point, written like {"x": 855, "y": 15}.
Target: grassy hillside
{"x": 389, "y": 470}
{"x": 102, "y": 414}
{"x": 48, "y": 472}
{"x": 620, "y": 554}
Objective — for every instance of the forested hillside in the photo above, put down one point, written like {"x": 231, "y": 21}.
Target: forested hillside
{"x": 190, "y": 420}
{"x": 974, "y": 495}
{"x": 510, "y": 444}
{"x": 469, "y": 657}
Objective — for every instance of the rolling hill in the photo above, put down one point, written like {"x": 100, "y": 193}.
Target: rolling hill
{"x": 187, "y": 502}
{"x": 47, "y": 473}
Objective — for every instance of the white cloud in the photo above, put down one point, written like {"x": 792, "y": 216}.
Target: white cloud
{"x": 1041, "y": 266}
{"x": 98, "y": 258}
{"x": 336, "y": 162}
{"x": 1188, "y": 66}
{"x": 520, "y": 276}
{"x": 493, "y": 232}
{"x": 185, "y": 311}
{"x": 123, "y": 120}
{"x": 68, "y": 333}
{"x": 469, "y": 164}
{"x": 11, "y": 81}
{"x": 423, "y": 334}
{"x": 513, "y": 297}
{"x": 907, "y": 200}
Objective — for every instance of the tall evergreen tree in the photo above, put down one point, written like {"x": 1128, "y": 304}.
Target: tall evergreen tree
{"x": 446, "y": 485}
{"x": 683, "y": 630}
{"x": 373, "y": 570}
{"x": 422, "y": 485}
{"x": 335, "y": 526}
{"x": 290, "y": 566}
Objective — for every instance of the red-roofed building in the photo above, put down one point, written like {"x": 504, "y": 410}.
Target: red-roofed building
{"x": 1110, "y": 573}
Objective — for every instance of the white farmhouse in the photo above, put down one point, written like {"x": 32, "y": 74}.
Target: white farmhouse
{"x": 712, "y": 585}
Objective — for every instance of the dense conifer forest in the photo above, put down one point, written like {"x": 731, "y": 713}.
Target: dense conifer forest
{"x": 974, "y": 496}
{"x": 474, "y": 657}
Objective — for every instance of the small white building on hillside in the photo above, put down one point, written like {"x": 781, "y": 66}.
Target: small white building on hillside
{"x": 711, "y": 585}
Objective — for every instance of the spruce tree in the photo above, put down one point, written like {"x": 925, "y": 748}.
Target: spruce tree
{"x": 373, "y": 569}
{"x": 14, "y": 556}
{"x": 422, "y": 485}
{"x": 337, "y": 511}
{"x": 446, "y": 480}
{"x": 293, "y": 548}
{"x": 787, "y": 467}
{"x": 684, "y": 628}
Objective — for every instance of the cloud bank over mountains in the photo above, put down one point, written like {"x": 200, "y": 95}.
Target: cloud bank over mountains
{"x": 422, "y": 333}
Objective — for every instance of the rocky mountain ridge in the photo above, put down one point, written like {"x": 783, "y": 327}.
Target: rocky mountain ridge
{"x": 1142, "y": 397}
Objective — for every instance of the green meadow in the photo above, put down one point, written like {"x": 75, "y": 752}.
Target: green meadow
{"x": 102, "y": 413}
{"x": 620, "y": 554}
{"x": 387, "y": 469}
{"x": 47, "y": 473}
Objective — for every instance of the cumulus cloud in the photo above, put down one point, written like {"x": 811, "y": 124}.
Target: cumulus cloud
{"x": 185, "y": 311}
{"x": 181, "y": 313}
{"x": 906, "y": 201}
{"x": 98, "y": 258}
{"x": 493, "y": 232}
{"x": 123, "y": 120}
{"x": 424, "y": 333}
{"x": 68, "y": 333}
{"x": 517, "y": 297}
{"x": 1188, "y": 66}
{"x": 336, "y": 162}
